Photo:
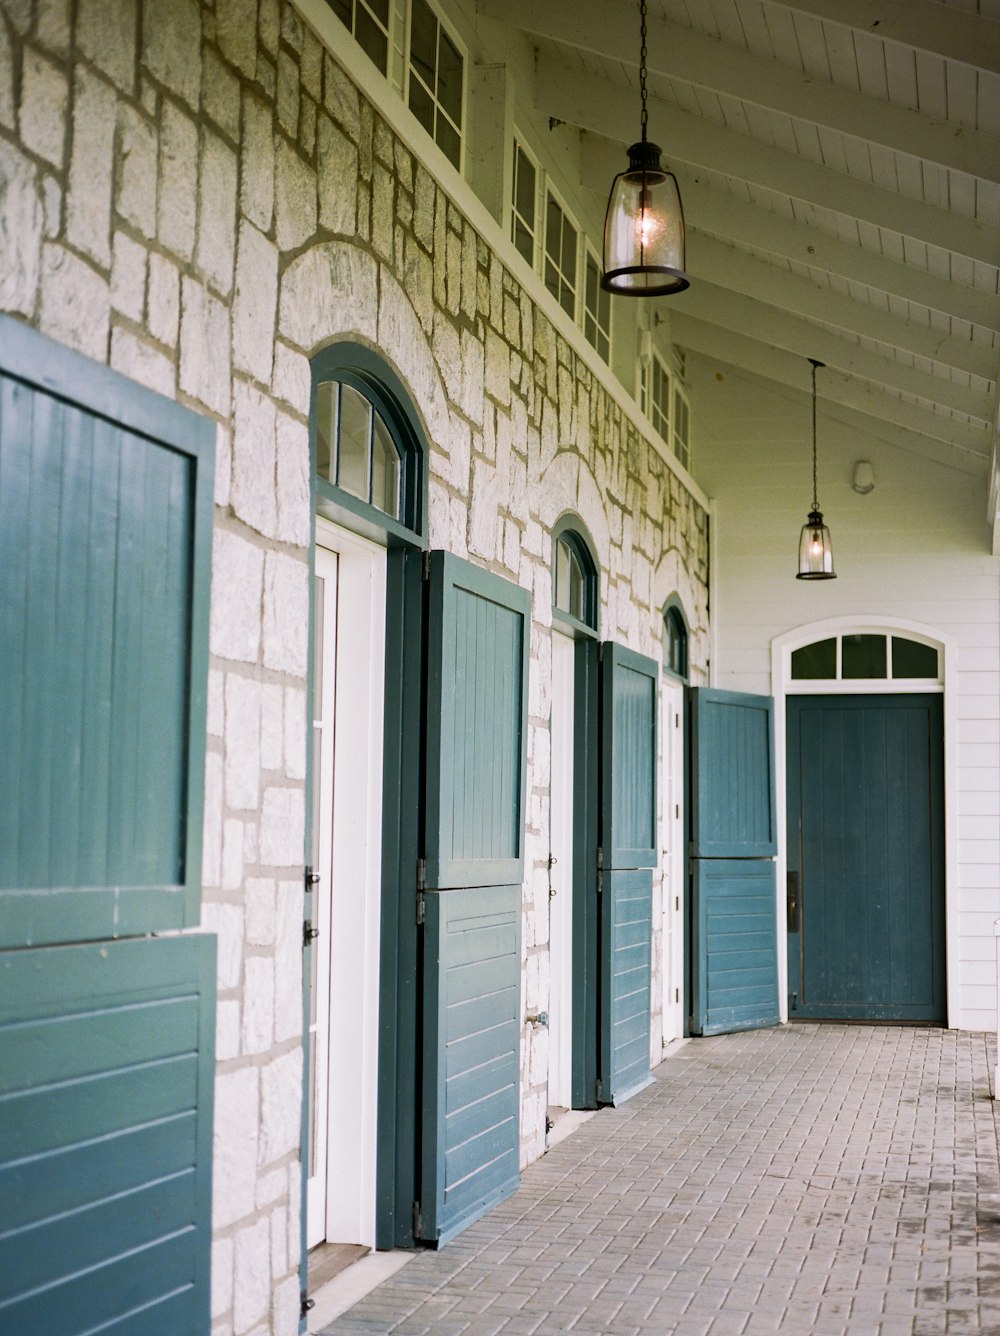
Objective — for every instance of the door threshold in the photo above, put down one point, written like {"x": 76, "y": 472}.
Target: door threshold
{"x": 565, "y": 1124}
{"x": 351, "y": 1284}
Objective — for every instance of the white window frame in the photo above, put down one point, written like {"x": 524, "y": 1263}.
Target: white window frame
{"x": 463, "y": 51}
{"x": 680, "y": 447}
{"x": 537, "y": 222}
{"x": 590, "y": 253}
{"x": 570, "y": 217}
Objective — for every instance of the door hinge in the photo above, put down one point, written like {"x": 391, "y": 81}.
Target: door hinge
{"x": 421, "y": 875}
{"x": 309, "y": 933}
{"x": 418, "y": 1221}
{"x": 306, "y": 1304}
{"x": 599, "y": 1090}
{"x": 311, "y": 878}
{"x": 600, "y": 870}
{"x": 425, "y": 566}
{"x": 421, "y": 909}
{"x": 677, "y": 903}
{"x": 677, "y": 994}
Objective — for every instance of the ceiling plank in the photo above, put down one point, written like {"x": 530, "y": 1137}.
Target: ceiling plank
{"x": 743, "y": 315}
{"x": 695, "y": 58}
{"x": 735, "y": 271}
{"x": 915, "y": 431}
{"x": 711, "y": 210}
{"x": 609, "y": 109}
{"x": 923, "y": 25}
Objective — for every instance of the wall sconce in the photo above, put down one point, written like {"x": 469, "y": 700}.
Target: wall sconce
{"x": 863, "y": 481}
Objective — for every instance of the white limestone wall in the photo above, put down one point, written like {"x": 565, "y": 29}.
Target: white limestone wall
{"x": 916, "y": 548}
{"x": 199, "y": 196}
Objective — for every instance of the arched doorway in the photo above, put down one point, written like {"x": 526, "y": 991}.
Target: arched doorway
{"x": 865, "y": 851}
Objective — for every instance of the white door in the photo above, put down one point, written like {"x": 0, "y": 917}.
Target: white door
{"x": 347, "y": 841}
{"x": 673, "y": 865}
{"x": 561, "y": 875}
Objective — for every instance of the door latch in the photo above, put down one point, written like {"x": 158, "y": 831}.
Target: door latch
{"x": 792, "y": 900}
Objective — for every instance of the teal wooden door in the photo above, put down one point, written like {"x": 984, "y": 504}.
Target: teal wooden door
{"x": 477, "y": 681}
{"x": 628, "y": 855}
{"x": 106, "y": 1033}
{"x": 866, "y": 855}
{"x": 733, "y": 919}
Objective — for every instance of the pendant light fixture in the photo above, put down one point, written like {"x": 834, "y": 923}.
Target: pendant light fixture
{"x": 815, "y": 550}
{"x": 644, "y": 224}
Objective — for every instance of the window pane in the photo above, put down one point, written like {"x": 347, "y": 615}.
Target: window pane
{"x": 380, "y": 8}
{"x": 371, "y": 39}
{"x": 449, "y": 80}
{"x": 342, "y": 9}
{"x": 553, "y": 228}
{"x": 353, "y": 442}
{"x": 423, "y": 41}
{"x": 449, "y": 142}
{"x": 562, "y": 576}
{"x": 421, "y": 105}
{"x": 551, "y": 278}
{"x": 567, "y": 300}
{"x": 524, "y": 189}
{"x": 911, "y": 659}
{"x": 326, "y": 428}
{"x": 569, "y": 251}
{"x": 576, "y": 588}
{"x": 524, "y": 241}
{"x": 818, "y": 661}
{"x": 862, "y": 656}
{"x": 385, "y": 470}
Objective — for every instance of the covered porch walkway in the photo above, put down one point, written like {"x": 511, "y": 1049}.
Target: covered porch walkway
{"x": 814, "y": 1180}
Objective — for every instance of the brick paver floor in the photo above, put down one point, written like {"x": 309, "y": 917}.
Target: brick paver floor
{"x": 813, "y": 1180}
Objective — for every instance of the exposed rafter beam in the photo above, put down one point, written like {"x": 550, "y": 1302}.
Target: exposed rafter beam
{"x": 922, "y": 25}
{"x": 712, "y": 210}
{"x": 692, "y": 57}
{"x": 908, "y": 428}
{"x": 609, "y": 109}
{"x": 743, "y": 315}
{"x": 735, "y": 271}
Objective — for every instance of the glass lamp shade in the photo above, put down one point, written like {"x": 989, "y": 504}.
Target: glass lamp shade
{"x": 644, "y": 229}
{"x": 815, "y": 550}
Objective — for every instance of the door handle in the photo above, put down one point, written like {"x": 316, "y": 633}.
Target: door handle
{"x": 792, "y": 900}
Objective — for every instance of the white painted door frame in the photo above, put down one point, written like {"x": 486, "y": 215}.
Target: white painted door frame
{"x": 672, "y": 825}
{"x": 782, "y": 685}
{"x": 348, "y": 897}
{"x": 561, "y": 872}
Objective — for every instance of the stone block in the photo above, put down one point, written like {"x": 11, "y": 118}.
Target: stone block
{"x": 22, "y": 221}
{"x": 215, "y": 713}
{"x": 222, "y": 1276}
{"x": 232, "y": 855}
{"x": 287, "y": 101}
{"x": 258, "y": 1004}
{"x": 383, "y": 212}
{"x": 211, "y": 849}
{"x": 279, "y": 1241}
{"x": 311, "y": 66}
{"x": 171, "y": 47}
{"x": 106, "y": 33}
{"x": 340, "y": 96}
{"x": 220, "y": 95}
{"x": 236, "y": 33}
{"x": 227, "y": 1030}
{"x": 237, "y": 579}
{"x": 285, "y": 1307}
{"x": 260, "y": 911}
{"x": 237, "y": 1099}
{"x": 280, "y": 1107}
{"x": 271, "y": 1187}
{"x": 205, "y": 347}
{"x": 88, "y": 204}
{"x": 216, "y": 212}
{"x": 128, "y": 276}
{"x": 242, "y": 742}
{"x": 251, "y": 1276}
{"x": 269, "y": 24}
{"x": 286, "y": 614}
{"x": 292, "y": 379}
{"x": 8, "y": 104}
{"x": 223, "y": 464}
{"x": 257, "y": 164}
{"x": 44, "y": 107}
{"x": 294, "y": 198}
{"x": 485, "y": 502}
{"x": 136, "y": 170}
{"x": 423, "y": 208}
{"x": 178, "y": 181}
{"x": 337, "y": 167}
{"x": 142, "y": 362}
{"x": 282, "y": 827}
{"x": 76, "y": 302}
{"x": 255, "y": 303}
{"x": 253, "y": 496}
{"x": 294, "y": 523}
{"x": 418, "y": 280}
{"x": 288, "y": 961}
{"x": 163, "y": 300}
{"x": 296, "y": 732}
{"x": 272, "y": 743}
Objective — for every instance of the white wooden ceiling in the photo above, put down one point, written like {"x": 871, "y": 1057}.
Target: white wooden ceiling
{"x": 839, "y": 165}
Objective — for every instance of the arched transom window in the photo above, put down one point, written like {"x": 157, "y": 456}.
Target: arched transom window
{"x": 575, "y": 579}
{"x": 866, "y": 656}
{"x": 675, "y": 642}
{"x": 354, "y": 446}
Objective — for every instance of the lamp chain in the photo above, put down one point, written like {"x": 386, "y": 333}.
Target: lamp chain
{"x": 642, "y": 64}
{"x": 816, "y": 503}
